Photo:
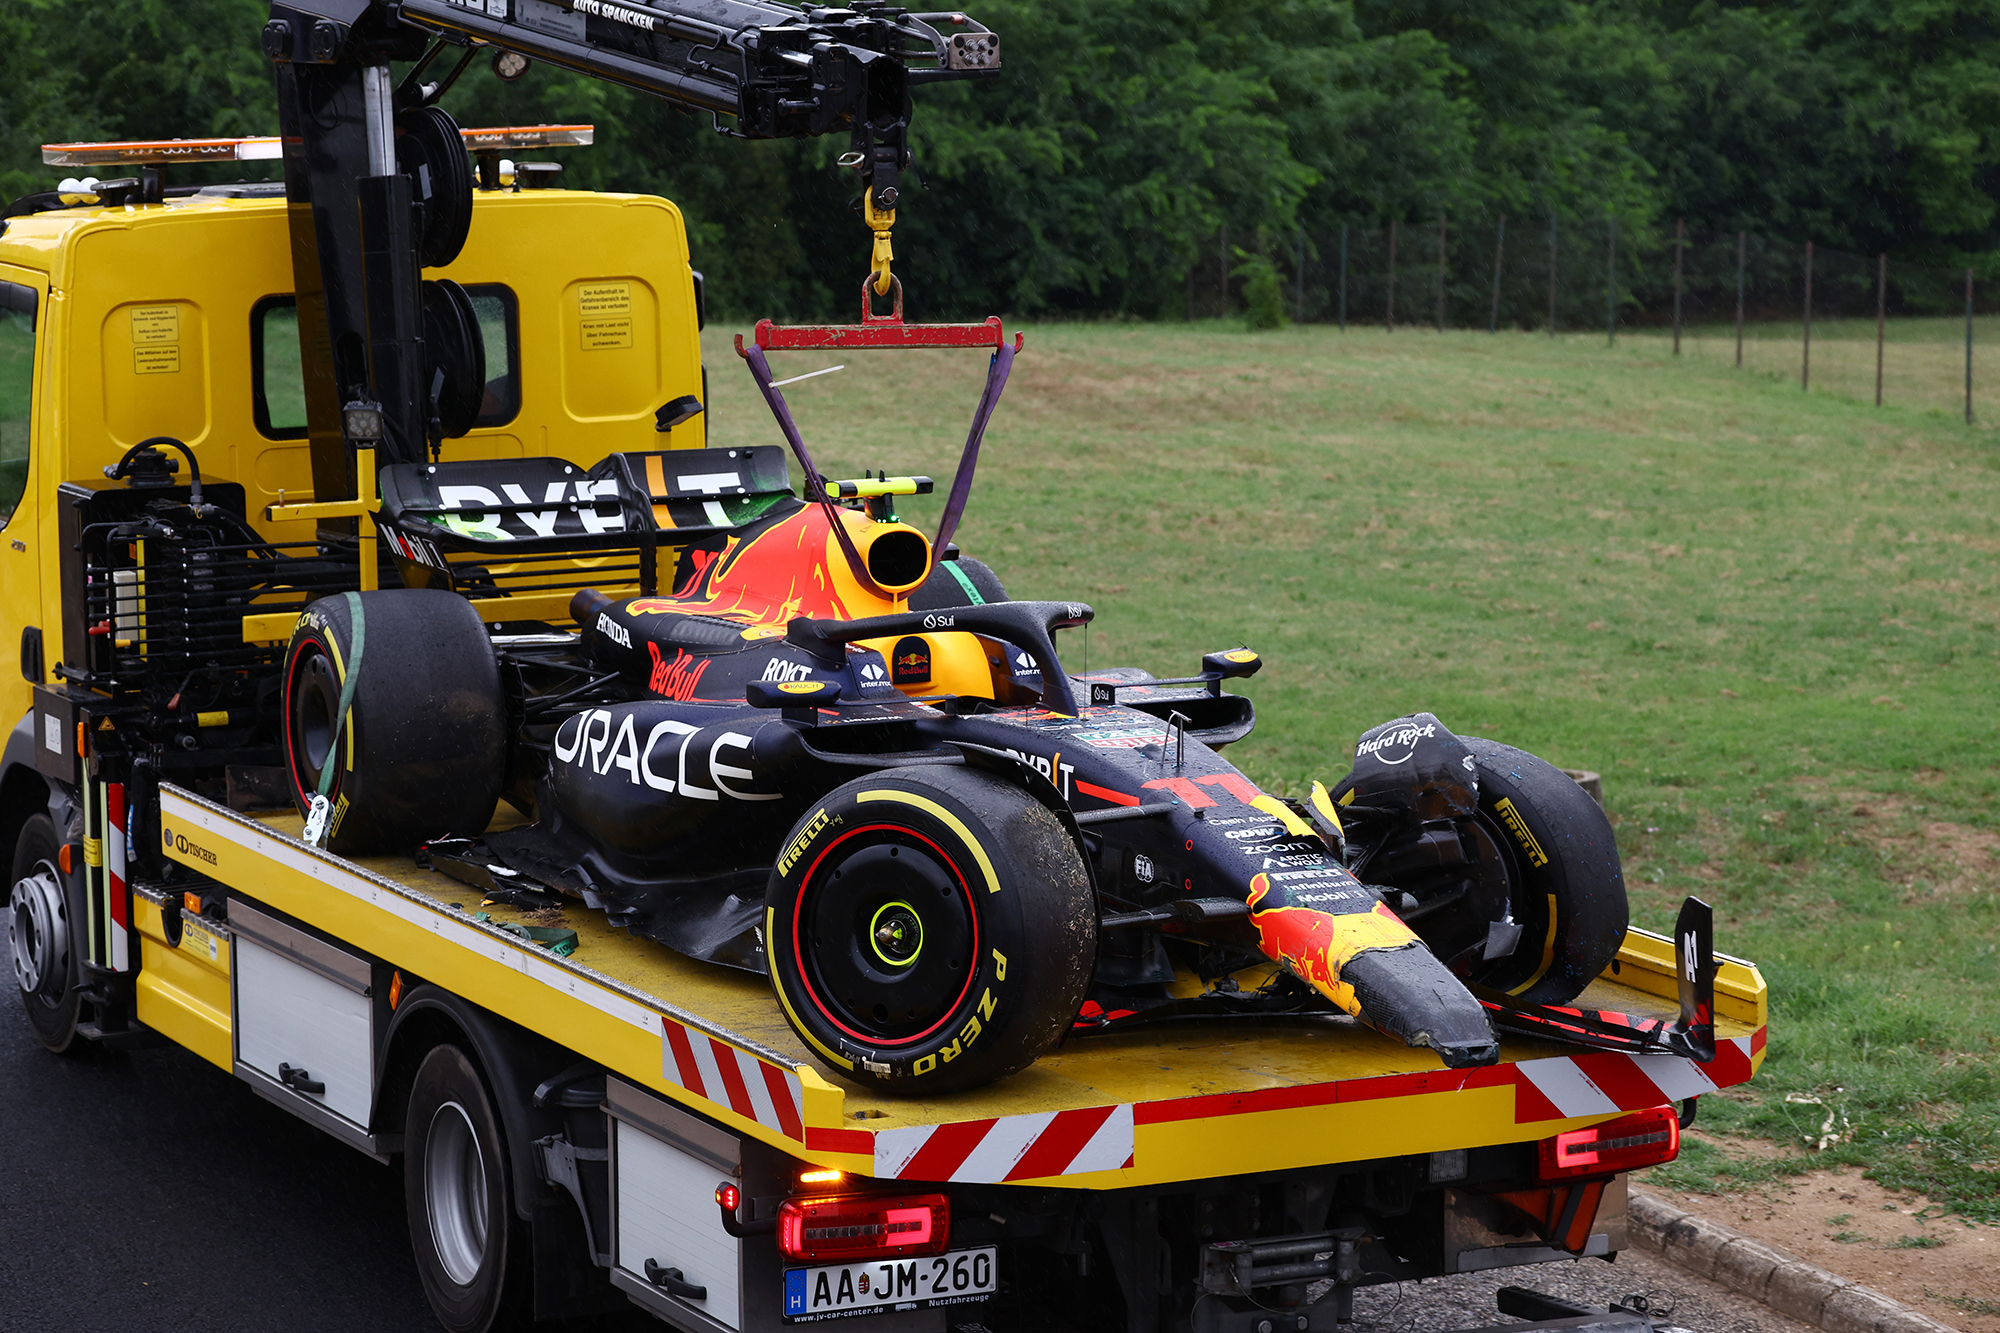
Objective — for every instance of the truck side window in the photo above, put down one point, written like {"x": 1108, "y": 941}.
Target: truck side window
{"x": 278, "y": 380}
{"x": 278, "y": 383}
{"x": 17, "y": 391}
{"x": 500, "y": 330}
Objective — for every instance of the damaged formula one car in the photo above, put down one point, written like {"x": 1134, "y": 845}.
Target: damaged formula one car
{"x": 819, "y": 745}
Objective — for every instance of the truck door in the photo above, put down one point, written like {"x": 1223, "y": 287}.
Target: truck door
{"x": 21, "y": 300}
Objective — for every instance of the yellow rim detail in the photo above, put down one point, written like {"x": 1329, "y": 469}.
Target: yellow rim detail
{"x": 1548, "y": 952}
{"x": 340, "y": 678}
{"x": 875, "y": 924}
{"x": 785, "y": 1001}
{"x": 950, "y": 821}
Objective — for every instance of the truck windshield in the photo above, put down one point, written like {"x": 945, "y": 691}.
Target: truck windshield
{"x": 17, "y": 383}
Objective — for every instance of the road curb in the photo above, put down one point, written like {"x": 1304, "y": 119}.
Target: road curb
{"x": 1766, "y": 1273}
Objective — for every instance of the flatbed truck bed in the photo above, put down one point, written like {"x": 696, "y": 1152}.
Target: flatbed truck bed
{"x": 1166, "y": 1103}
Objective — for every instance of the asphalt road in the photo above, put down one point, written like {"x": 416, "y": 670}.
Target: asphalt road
{"x": 149, "y": 1190}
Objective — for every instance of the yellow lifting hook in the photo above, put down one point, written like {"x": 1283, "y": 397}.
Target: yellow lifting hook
{"x": 879, "y": 220}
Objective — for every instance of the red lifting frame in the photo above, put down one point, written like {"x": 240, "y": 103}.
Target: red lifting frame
{"x": 879, "y": 331}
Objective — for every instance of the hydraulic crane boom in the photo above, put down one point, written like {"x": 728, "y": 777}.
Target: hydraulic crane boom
{"x": 380, "y": 190}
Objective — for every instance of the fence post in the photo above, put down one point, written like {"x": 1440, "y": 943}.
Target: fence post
{"x": 1805, "y": 362}
{"x": 1302, "y": 275}
{"x": 1881, "y": 317}
{"x": 1343, "y": 277}
{"x": 1191, "y": 268}
{"x": 1739, "y": 299}
{"x": 1680, "y": 243}
{"x": 1440, "y": 270}
{"x": 1552, "y": 273}
{"x": 1499, "y": 255}
{"x": 1611, "y": 282}
{"x": 1222, "y": 284}
{"x": 1968, "y": 347}
{"x": 1392, "y": 275}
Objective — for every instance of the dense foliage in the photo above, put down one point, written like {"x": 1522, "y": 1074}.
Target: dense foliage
{"x": 1125, "y": 134}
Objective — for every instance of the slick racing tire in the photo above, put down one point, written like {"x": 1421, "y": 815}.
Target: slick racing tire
{"x": 45, "y": 941}
{"x": 944, "y": 589}
{"x": 1567, "y": 891}
{"x": 473, "y": 1254}
{"x": 423, "y": 749}
{"x": 930, "y": 929}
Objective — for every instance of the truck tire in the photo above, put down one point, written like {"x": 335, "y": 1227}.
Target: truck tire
{"x": 930, "y": 929}
{"x": 1568, "y": 891}
{"x": 422, "y": 752}
{"x": 44, "y": 941}
{"x": 473, "y": 1254}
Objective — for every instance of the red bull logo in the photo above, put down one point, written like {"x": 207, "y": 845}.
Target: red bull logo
{"x": 675, "y": 678}
{"x": 910, "y": 664}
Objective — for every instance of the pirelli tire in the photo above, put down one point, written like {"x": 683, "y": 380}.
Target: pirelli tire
{"x": 422, "y": 752}
{"x": 961, "y": 582}
{"x": 1567, "y": 888}
{"x": 930, "y": 929}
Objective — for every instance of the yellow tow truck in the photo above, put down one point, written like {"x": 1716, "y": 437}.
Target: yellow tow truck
{"x": 586, "y": 1119}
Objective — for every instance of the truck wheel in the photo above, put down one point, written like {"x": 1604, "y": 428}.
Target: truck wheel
{"x": 472, "y": 1252}
{"x": 44, "y": 945}
{"x": 422, "y": 752}
{"x": 930, "y": 929}
{"x": 1568, "y": 891}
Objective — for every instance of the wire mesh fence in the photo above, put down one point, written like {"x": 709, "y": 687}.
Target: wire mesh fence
{"x": 1859, "y": 326}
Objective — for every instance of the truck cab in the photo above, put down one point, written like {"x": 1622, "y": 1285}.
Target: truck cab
{"x": 122, "y": 323}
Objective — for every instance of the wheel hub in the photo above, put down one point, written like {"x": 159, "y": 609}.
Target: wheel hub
{"x": 898, "y": 934}
{"x": 315, "y": 701}
{"x": 891, "y": 938}
{"x": 39, "y": 925}
{"x": 455, "y": 1193}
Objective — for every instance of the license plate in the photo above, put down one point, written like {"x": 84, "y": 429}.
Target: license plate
{"x": 957, "y": 1278}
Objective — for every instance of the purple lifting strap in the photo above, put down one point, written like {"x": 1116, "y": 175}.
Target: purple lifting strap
{"x": 961, "y": 485}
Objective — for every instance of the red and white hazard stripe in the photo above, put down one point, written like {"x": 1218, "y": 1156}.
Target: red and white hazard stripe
{"x": 114, "y": 870}
{"x": 755, "y": 1089}
{"x": 1013, "y": 1147}
{"x": 1601, "y": 1082}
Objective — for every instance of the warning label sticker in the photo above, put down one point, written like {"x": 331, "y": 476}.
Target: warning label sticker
{"x": 157, "y": 360}
{"x": 602, "y": 334}
{"x": 604, "y": 298}
{"x": 606, "y": 310}
{"x": 156, "y": 324}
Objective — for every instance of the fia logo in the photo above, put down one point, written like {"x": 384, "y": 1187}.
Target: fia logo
{"x": 1142, "y": 869}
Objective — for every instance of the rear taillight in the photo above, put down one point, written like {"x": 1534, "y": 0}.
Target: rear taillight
{"x": 863, "y": 1226}
{"x": 1647, "y": 1138}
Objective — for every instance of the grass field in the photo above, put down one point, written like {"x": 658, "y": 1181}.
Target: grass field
{"x": 1770, "y": 619}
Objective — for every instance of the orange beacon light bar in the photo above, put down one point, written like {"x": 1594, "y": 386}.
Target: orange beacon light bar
{"x": 160, "y": 152}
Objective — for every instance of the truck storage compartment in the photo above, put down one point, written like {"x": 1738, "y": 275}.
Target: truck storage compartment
{"x": 304, "y": 1017}
{"x": 665, "y": 1166}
